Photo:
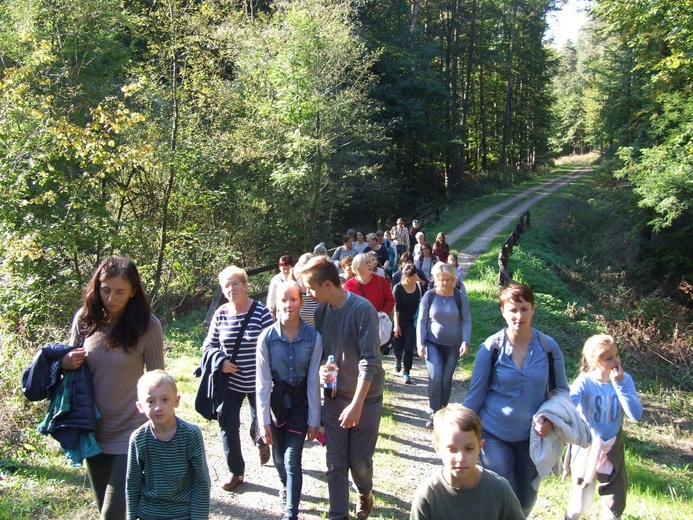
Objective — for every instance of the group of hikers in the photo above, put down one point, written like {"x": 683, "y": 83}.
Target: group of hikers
{"x": 327, "y": 324}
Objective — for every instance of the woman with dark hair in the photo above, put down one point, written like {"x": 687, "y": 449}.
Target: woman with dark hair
{"x": 360, "y": 244}
{"x": 512, "y": 372}
{"x": 117, "y": 336}
{"x": 343, "y": 251}
{"x": 408, "y": 294}
{"x": 453, "y": 261}
{"x": 286, "y": 266}
{"x": 441, "y": 249}
{"x": 426, "y": 261}
{"x": 347, "y": 272}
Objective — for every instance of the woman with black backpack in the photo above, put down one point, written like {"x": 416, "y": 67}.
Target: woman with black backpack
{"x": 443, "y": 332}
{"x": 512, "y": 372}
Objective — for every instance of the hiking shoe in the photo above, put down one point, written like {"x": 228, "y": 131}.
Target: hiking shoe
{"x": 398, "y": 366}
{"x": 264, "y": 452}
{"x": 407, "y": 379}
{"x": 232, "y": 483}
{"x": 429, "y": 423}
{"x": 364, "y": 506}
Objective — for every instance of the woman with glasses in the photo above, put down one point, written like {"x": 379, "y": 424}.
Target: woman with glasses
{"x": 232, "y": 340}
{"x": 443, "y": 333}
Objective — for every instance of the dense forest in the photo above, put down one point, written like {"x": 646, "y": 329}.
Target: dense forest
{"x": 190, "y": 134}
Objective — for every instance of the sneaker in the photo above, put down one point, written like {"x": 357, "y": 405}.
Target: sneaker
{"x": 429, "y": 423}
{"x": 407, "y": 379}
{"x": 264, "y": 452}
{"x": 364, "y": 506}
{"x": 398, "y": 366}
{"x": 282, "y": 497}
{"x": 232, "y": 483}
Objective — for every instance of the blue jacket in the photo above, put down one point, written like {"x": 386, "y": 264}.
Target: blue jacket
{"x": 211, "y": 393}
{"x": 72, "y": 414}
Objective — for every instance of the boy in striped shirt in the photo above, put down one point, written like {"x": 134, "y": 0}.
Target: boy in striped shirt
{"x": 167, "y": 475}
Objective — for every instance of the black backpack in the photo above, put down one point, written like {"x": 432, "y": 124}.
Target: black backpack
{"x": 543, "y": 339}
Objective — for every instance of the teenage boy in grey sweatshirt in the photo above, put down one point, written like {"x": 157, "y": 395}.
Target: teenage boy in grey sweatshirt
{"x": 348, "y": 324}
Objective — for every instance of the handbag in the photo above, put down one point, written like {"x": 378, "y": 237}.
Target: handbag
{"x": 384, "y": 321}
{"x": 385, "y": 328}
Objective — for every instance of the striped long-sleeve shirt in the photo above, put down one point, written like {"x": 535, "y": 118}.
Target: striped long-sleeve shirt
{"x": 222, "y": 334}
{"x": 167, "y": 479}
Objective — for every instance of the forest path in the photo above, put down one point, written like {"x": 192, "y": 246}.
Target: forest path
{"x": 404, "y": 456}
{"x": 496, "y": 219}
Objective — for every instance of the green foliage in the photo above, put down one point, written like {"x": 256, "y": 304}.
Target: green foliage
{"x": 626, "y": 88}
{"x": 186, "y": 333}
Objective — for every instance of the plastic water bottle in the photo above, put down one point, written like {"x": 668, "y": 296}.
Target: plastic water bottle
{"x": 330, "y": 387}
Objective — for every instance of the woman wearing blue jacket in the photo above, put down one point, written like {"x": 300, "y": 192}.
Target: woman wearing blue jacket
{"x": 511, "y": 374}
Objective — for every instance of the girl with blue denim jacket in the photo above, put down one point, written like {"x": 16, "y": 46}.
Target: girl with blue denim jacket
{"x": 288, "y": 391}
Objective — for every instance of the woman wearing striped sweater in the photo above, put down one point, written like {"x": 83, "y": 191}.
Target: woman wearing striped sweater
{"x": 234, "y": 330}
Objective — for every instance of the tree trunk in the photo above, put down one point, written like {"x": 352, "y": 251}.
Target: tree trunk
{"x": 173, "y": 145}
{"x": 464, "y": 134}
{"x": 508, "y": 92}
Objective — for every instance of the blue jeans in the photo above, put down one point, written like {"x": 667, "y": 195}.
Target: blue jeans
{"x": 441, "y": 362}
{"x": 349, "y": 449}
{"x": 287, "y": 453}
{"x": 511, "y": 461}
{"x": 230, "y": 430}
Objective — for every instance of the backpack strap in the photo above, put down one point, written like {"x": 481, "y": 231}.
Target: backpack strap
{"x": 244, "y": 325}
{"x": 551, "y": 386}
{"x": 495, "y": 352}
{"x": 458, "y": 301}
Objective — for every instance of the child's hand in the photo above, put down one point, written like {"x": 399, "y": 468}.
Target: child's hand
{"x": 313, "y": 432}
{"x": 616, "y": 373}
{"x": 266, "y": 434}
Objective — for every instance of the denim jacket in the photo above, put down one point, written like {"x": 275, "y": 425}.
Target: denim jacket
{"x": 291, "y": 362}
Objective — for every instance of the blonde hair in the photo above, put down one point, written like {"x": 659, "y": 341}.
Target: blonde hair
{"x": 455, "y": 415}
{"x": 154, "y": 379}
{"x": 594, "y": 346}
{"x": 358, "y": 261}
{"x": 230, "y": 272}
{"x": 441, "y": 268}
